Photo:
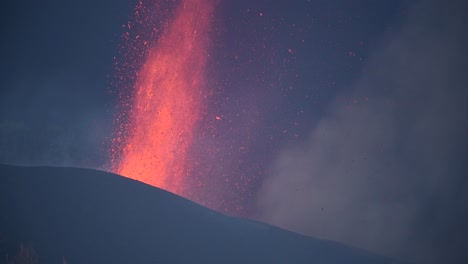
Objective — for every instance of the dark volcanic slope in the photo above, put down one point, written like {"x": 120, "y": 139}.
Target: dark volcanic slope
{"x": 97, "y": 217}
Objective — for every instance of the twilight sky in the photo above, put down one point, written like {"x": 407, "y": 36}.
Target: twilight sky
{"x": 344, "y": 120}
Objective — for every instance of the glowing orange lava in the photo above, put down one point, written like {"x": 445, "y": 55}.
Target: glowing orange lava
{"x": 168, "y": 101}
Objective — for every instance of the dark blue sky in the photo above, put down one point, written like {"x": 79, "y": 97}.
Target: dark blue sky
{"x": 351, "y": 114}
{"x": 58, "y": 62}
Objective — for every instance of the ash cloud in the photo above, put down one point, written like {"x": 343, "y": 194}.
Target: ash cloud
{"x": 384, "y": 168}
{"x": 52, "y": 122}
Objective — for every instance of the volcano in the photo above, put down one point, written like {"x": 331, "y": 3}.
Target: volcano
{"x": 88, "y": 216}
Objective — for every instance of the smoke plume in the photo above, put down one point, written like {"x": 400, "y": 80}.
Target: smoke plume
{"x": 383, "y": 169}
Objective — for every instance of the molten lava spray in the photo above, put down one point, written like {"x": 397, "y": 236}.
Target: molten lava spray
{"x": 167, "y": 101}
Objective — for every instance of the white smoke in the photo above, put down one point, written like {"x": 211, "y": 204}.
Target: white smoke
{"x": 382, "y": 169}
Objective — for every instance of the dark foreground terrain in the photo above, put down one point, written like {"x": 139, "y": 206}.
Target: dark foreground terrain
{"x": 91, "y": 216}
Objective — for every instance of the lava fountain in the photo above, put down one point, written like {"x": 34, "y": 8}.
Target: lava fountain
{"x": 166, "y": 102}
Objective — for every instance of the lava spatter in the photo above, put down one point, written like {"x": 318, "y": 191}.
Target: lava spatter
{"x": 166, "y": 102}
